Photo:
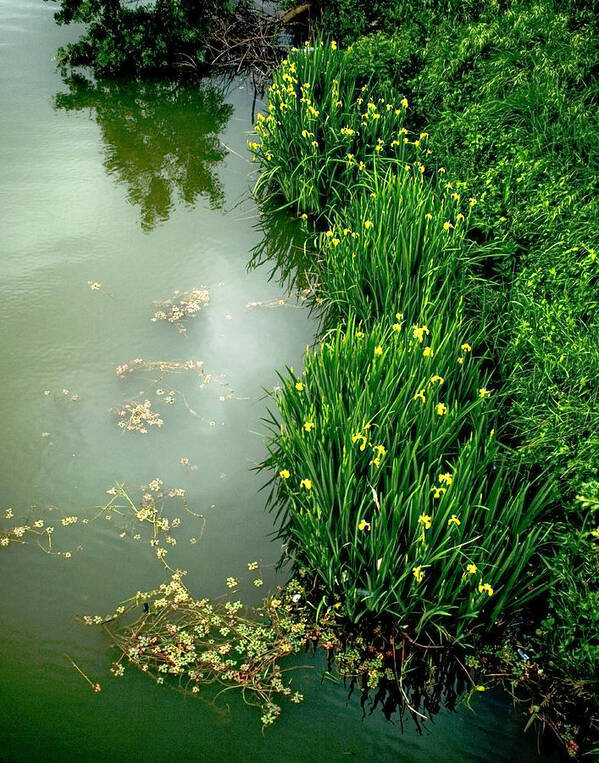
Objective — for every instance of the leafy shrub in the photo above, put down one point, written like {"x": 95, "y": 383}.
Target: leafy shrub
{"x": 383, "y": 61}
{"x": 322, "y": 132}
{"x": 348, "y": 20}
{"x": 140, "y": 39}
{"x": 388, "y": 483}
{"x": 389, "y": 486}
{"x": 509, "y": 97}
{"x": 553, "y": 362}
{"x": 513, "y": 103}
{"x": 510, "y": 101}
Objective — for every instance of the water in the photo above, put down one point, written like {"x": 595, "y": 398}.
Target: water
{"x": 143, "y": 190}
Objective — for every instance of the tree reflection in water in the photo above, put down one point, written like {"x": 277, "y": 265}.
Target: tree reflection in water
{"x": 161, "y": 138}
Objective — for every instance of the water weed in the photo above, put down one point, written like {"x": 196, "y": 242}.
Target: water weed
{"x": 180, "y": 306}
{"x": 138, "y": 416}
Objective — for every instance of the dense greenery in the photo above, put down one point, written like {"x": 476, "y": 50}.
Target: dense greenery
{"x": 321, "y": 133}
{"x": 389, "y": 485}
{"x": 508, "y": 93}
{"x": 140, "y": 37}
{"x": 519, "y": 125}
{"x": 570, "y": 632}
{"x": 352, "y": 19}
{"x": 386, "y": 484}
{"x": 517, "y": 122}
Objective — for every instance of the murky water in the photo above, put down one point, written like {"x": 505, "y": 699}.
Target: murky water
{"x": 140, "y": 190}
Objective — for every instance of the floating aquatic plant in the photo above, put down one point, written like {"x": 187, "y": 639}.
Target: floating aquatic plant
{"x": 137, "y": 417}
{"x": 166, "y": 366}
{"x": 180, "y": 306}
{"x": 278, "y": 302}
{"x": 189, "y": 643}
{"x": 137, "y": 414}
{"x": 64, "y": 394}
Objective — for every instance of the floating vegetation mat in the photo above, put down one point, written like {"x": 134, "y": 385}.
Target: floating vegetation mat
{"x": 188, "y": 643}
{"x": 289, "y": 301}
{"x": 180, "y": 306}
{"x": 138, "y": 415}
{"x": 164, "y": 366}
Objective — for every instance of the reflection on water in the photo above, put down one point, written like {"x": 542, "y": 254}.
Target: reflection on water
{"x": 151, "y": 145}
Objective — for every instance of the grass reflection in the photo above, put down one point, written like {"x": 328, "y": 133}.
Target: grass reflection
{"x": 160, "y": 137}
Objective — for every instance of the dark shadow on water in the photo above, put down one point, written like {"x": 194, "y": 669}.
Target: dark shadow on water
{"x": 426, "y": 685}
{"x": 282, "y": 246}
{"x": 160, "y": 139}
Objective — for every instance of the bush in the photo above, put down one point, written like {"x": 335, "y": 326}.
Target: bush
{"x": 569, "y": 635}
{"x": 553, "y": 363}
{"x": 515, "y": 114}
{"x": 510, "y": 97}
{"x": 513, "y": 103}
{"x": 510, "y": 100}
{"x": 142, "y": 39}
{"x": 348, "y": 20}
{"x": 385, "y": 62}
{"x": 390, "y": 488}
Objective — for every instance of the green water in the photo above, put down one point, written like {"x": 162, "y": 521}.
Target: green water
{"x": 142, "y": 188}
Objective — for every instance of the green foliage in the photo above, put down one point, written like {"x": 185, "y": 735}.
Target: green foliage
{"x": 138, "y": 38}
{"x": 554, "y": 363}
{"x": 322, "y": 132}
{"x": 569, "y": 635}
{"x": 389, "y": 483}
{"x": 400, "y": 245}
{"x": 348, "y": 20}
{"x": 509, "y": 94}
{"x": 512, "y": 100}
{"x": 383, "y": 62}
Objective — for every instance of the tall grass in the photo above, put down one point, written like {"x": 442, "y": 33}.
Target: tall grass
{"x": 388, "y": 482}
{"x": 401, "y": 242}
{"x": 509, "y": 93}
{"x": 322, "y": 132}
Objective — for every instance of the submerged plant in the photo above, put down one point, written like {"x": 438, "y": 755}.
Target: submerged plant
{"x": 165, "y": 366}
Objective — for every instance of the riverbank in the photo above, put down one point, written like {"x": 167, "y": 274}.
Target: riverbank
{"x": 116, "y": 215}
{"x": 333, "y": 132}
